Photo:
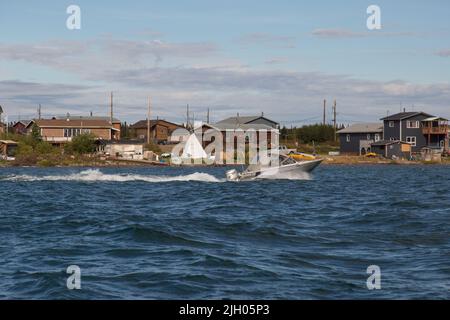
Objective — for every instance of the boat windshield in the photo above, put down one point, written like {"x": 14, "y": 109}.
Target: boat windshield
{"x": 282, "y": 161}
{"x": 286, "y": 160}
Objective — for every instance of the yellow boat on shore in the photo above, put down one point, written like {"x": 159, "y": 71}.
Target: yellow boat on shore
{"x": 299, "y": 156}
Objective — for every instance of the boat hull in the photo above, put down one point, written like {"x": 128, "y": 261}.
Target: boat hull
{"x": 283, "y": 172}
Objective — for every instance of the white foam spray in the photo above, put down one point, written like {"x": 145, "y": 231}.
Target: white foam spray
{"x": 95, "y": 175}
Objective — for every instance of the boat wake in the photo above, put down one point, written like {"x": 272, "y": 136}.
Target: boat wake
{"x": 287, "y": 176}
{"x": 98, "y": 176}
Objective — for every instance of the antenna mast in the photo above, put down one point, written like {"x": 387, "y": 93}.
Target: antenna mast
{"x": 148, "y": 121}
{"x": 334, "y": 120}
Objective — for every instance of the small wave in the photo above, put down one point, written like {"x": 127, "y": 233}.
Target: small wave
{"x": 95, "y": 175}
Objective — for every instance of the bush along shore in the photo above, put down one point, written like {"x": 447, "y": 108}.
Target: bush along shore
{"x": 32, "y": 151}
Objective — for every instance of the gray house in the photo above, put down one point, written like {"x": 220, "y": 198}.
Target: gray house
{"x": 418, "y": 129}
{"x": 239, "y": 120}
{"x": 357, "y": 138}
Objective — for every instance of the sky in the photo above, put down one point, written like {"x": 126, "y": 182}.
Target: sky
{"x": 280, "y": 58}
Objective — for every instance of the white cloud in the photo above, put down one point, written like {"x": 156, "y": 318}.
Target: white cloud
{"x": 268, "y": 40}
{"x": 444, "y": 53}
{"x": 179, "y": 73}
{"x": 276, "y": 60}
{"x": 338, "y": 33}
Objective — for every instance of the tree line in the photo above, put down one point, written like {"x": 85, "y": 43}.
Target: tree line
{"x": 308, "y": 133}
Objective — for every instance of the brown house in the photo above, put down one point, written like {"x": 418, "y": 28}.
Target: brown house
{"x": 160, "y": 130}
{"x": 59, "y": 131}
{"x": 22, "y": 127}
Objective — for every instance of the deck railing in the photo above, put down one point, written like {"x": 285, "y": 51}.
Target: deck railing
{"x": 57, "y": 139}
{"x": 435, "y": 130}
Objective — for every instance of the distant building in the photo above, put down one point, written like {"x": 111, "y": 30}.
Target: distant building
{"x": 23, "y": 127}
{"x": 357, "y": 138}
{"x": 231, "y": 131}
{"x": 160, "y": 130}
{"x": 248, "y": 120}
{"x": 116, "y": 123}
{"x": 7, "y": 149}
{"x": 391, "y": 149}
{"x": 59, "y": 131}
{"x": 124, "y": 149}
{"x": 419, "y": 129}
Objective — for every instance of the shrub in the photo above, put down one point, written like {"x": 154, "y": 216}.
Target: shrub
{"x": 45, "y": 163}
{"x": 44, "y": 148}
{"x": 152, "y": 147}
{"x": 25, "y": 159}
{"x": 82, "y": 144}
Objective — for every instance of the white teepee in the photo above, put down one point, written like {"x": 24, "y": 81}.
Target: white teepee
{"x": 193, "y": 149}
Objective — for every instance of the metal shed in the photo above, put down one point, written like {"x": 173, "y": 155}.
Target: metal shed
{"x": 392, "y": 149}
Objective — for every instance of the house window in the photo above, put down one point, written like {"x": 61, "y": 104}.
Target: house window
{"x": 348, "y": 138}
{"x": 412, "y": 124}
{"x": 391, "y": 124}
{"x": 412, "y": 141}
{"x": 368, "y": 136}
{"x": 68, "y": 133}
{"x": 377, "y": 137}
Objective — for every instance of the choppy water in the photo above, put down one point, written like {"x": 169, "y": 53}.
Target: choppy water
{"x": 174, "y": 233}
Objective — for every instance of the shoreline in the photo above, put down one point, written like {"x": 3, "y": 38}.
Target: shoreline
{"x": 354, "y": 161}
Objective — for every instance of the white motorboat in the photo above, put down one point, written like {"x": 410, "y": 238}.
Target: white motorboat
{"x": 286, "y": 168}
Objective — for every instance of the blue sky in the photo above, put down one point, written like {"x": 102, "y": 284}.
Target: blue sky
{"x": 278, "y": 57}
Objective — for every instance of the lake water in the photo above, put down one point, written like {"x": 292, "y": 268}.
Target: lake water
{"x": 185, "y": 233}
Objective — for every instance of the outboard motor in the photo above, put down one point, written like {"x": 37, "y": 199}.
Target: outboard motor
{"x": 232, "y": 175}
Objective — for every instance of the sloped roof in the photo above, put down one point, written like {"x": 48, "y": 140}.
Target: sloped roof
{"x": 244, "y": 120}
{"x": 142, "y": 124}
{"x": 115, "y": 120}
{"x": 243, "y": 126}
{"x": 363, "y": 128}
{"x": 26, "y": 123}
{"x": 8, "y": 142}
{"x": 404, "y": 115}
{"x": 434, "y": 119}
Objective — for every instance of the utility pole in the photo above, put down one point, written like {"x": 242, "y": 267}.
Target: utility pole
{"x": 334, "y": 121}
{"x": 148, "y": 121}
{"x": 39, "y": 112}
{"x": 207, "y": 117}
{"x": 324, "y": 112}
{"x": 111, "y": 108}
{"x": 187, "y": 116}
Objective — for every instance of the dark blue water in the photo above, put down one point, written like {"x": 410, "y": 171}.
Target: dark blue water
{"x": 137, "y": 234}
